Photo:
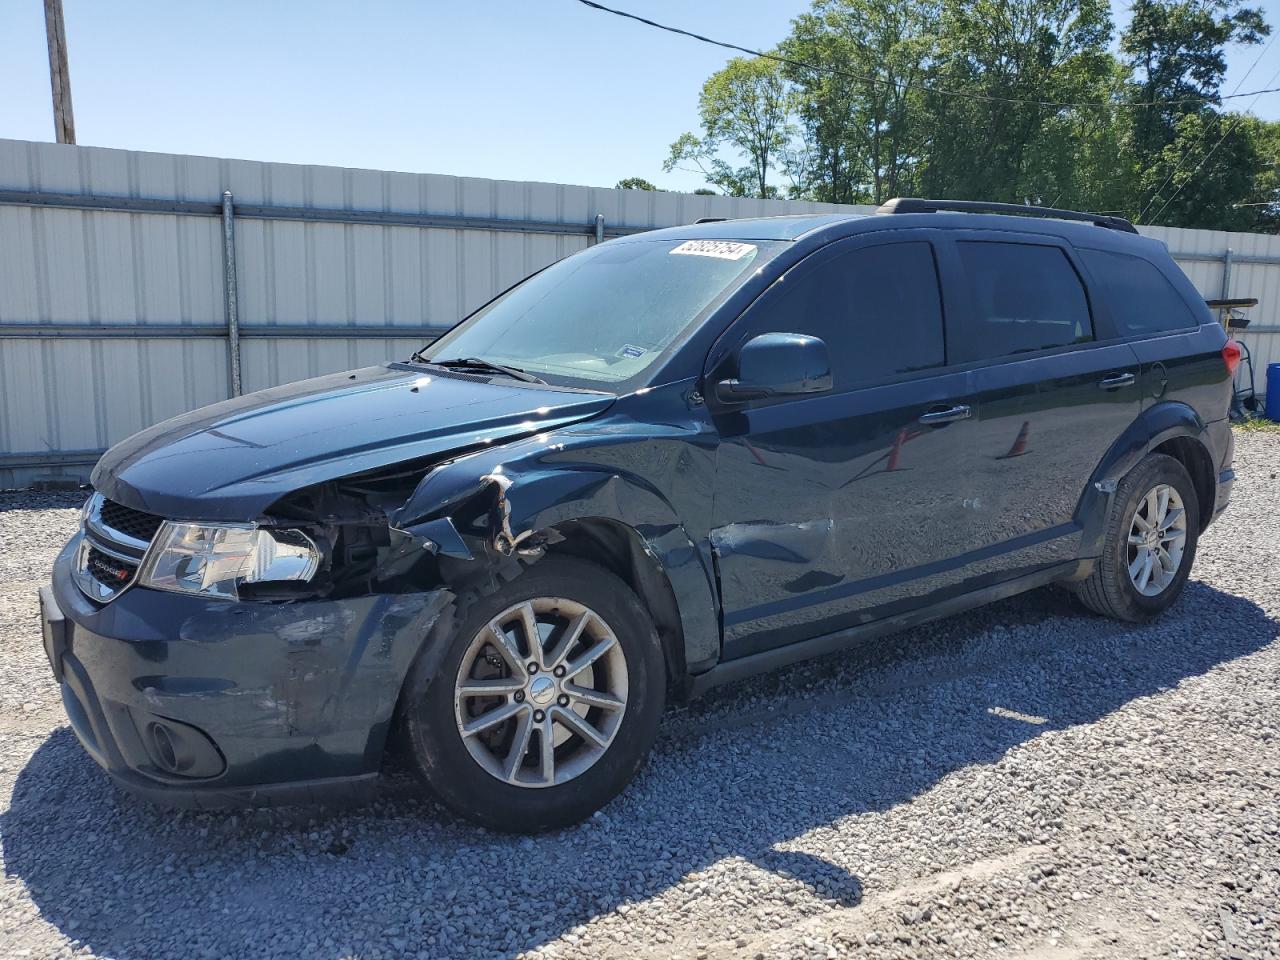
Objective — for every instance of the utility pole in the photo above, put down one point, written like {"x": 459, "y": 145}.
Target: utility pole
{"x": 64, "y": 122}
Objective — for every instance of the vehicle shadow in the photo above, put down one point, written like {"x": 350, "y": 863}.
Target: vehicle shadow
{"x": 743, "y": 774}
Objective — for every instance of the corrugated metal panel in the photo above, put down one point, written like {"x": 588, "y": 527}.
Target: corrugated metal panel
{"x": 77, "y": 266}
{"x": 1192, "y": 248}
{"x": 72, "y": 266}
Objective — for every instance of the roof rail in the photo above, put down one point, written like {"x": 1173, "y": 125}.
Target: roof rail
{"x": 917, "y": 205}
{"x": 710, "y": 220}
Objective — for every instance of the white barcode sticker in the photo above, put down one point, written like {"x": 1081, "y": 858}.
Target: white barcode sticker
{"x": 720, "y": 249}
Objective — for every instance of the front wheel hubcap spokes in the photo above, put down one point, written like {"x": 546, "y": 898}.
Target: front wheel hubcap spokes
{"x": 558, "y": 700}
{"x": 1157, "y": 537}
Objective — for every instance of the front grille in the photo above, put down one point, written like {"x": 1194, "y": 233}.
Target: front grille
{"x": 113, "y": 542}
{"x": 130, "y": 522}
{"x": 107, "y": 570}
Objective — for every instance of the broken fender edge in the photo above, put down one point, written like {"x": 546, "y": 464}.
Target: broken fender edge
{"x": 517, "y": 500}
{"x": 441, "y": 537}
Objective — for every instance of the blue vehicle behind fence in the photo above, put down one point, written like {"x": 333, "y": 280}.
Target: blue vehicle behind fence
{"x": 672, "y": 460}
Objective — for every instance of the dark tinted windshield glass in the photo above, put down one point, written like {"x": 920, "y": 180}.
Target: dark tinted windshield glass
{"x": 1025, "y": 297}
{"x": 603, "y": 316}
{"x": 877, "y": 308}
{"x": 1141, "y": 300}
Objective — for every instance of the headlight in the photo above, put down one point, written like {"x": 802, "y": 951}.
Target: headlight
{"x": 213, "y": 559}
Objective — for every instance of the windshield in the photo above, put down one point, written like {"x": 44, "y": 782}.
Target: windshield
{"x": 605, "y": 315}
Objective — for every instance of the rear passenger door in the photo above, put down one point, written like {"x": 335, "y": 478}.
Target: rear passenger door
{"x": 1053, "y": 384}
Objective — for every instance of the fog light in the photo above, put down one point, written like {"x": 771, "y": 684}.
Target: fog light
{"x": 164, "y": 751}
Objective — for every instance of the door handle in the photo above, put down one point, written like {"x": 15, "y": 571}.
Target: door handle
{"x": 1116, "y": 381}
{"x": 945, "y": 415}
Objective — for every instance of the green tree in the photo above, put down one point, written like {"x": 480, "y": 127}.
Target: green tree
{"x": 1015, "y": 100}
{"x": 1217, "y": 163}
{"x": 743, "y": 108}
{"x": 634, "y": 183}
{"x": 700, "y": 155}
{"x": 1177, "y": 51}
{"x": 1263, "y": 203}
{"x": 1000, "y": 132}
{"x": 860, "y": 110}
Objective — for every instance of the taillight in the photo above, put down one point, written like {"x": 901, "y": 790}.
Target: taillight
{"x": 1231, "y": 354}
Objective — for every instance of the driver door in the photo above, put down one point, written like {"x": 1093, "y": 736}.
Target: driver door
{"x": 841, "y": 508}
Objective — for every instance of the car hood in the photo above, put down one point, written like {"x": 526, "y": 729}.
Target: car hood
{"x": 232, "y": 460}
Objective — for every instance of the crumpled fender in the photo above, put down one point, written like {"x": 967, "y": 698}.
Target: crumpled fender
{"x": 550, "y": 479}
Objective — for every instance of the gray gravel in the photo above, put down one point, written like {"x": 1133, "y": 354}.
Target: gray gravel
{"x": 1024, "y": 781}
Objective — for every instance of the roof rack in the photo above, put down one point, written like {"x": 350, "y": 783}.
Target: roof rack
{"x": 917, "y": 205}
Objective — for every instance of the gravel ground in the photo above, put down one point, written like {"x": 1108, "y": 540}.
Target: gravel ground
{"x": 1024, "y": 781}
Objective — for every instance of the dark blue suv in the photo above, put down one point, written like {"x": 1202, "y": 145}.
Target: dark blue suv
{"x": 669, "y": 461}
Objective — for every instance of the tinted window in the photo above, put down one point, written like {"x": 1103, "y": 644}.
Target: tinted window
{"x": 878, "y": 309}
{"x": 1025, "y": 297}
{"x": 1140, "y": 297}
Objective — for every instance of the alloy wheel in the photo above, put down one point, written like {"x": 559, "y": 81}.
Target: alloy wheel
{"x": 541, "y": 692}
{"x": 1157, "y": 538}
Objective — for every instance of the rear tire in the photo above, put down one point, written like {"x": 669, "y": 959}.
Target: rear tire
{"x": 599, "y": 719}
{"x": 1149, "y": 544}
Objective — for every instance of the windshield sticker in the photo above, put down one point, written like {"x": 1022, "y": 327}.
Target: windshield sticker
{"x": 720, "y": 249}
{"x": 630, "y": 351}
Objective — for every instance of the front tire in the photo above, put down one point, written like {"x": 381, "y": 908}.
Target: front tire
{"x": 545, "y": 702}
{"x": 1149, "y": 544}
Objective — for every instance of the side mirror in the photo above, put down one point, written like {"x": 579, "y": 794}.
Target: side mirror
{"x": 778, "y": 365}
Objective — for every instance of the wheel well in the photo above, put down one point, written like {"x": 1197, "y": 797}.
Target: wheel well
{"x": 1191, "y": 453}
{"x": 620, "y": 550}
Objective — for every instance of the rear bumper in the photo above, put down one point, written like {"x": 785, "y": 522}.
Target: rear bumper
{"x": 1221, "y": 443}
{"x": 1226, "y": 480}
{"x": 199, "y": 704}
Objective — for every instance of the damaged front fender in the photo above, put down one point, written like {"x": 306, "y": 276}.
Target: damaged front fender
{"x": 441, "y": 537}
{"x": 522, "y": 497}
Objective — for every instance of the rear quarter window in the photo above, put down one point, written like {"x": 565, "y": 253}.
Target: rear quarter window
{"x": 1141, "y": 299}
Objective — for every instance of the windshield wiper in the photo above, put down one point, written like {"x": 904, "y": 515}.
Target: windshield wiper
{"x": 475, "y": 363}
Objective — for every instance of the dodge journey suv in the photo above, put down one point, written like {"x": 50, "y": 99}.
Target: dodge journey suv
{"x": 668, "y": 461}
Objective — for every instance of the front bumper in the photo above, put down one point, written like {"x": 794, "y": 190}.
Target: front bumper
{"x": 205, "y": 703}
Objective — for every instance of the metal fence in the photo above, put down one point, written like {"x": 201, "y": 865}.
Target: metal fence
{"x": 135, "y": 286}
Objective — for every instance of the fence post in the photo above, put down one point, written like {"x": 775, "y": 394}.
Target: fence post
{"x": 599, "y": 228}
{"x": 1226, "y": 274}
{"x": 229, "y": 290}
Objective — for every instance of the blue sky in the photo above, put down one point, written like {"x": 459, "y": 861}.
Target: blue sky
{"x": 512, "y": 89}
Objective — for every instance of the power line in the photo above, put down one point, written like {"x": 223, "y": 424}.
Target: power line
{"x": 900, "y": 85}
{"x": 1234, "y": 123}
{"x": 1155, "y": 195}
